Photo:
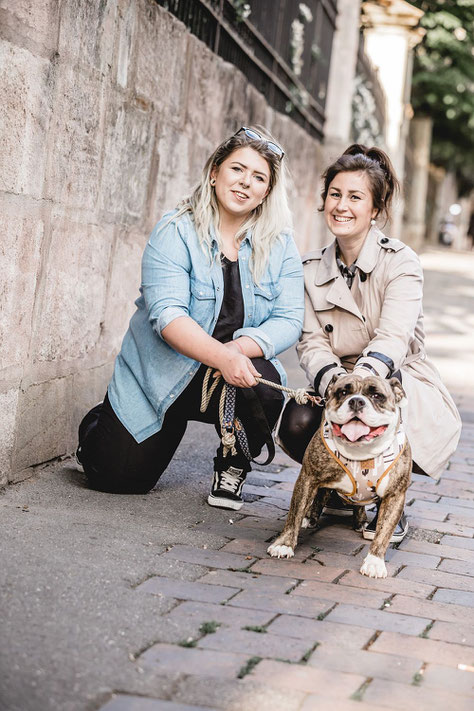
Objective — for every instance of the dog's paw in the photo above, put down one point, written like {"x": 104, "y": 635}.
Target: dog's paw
{"x": 374, "y": 567}
{"x": 278, "y": 551}
{"x": 306, "y": 522}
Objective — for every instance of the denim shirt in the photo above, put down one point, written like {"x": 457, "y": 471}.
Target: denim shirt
{"x": 178, "y": 279}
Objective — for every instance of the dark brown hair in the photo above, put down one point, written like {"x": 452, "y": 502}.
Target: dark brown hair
{"x": 378, "y": 168}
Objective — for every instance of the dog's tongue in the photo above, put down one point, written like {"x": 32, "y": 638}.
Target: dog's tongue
{"x": 354, "y": 429}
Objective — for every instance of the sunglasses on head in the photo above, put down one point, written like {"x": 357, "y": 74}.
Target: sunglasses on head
{"x": 255, "y": 136}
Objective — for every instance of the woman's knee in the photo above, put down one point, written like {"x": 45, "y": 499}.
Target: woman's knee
{"x": 113, "y": 462}
{"x": 297, "y": 426}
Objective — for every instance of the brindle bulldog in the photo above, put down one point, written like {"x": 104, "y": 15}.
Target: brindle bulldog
{"x": 360, "y": 451}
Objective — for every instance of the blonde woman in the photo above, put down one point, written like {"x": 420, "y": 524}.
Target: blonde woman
{"x": 222, "y": 287}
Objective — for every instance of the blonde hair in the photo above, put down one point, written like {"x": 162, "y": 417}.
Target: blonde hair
{"x": 266, "y": 221}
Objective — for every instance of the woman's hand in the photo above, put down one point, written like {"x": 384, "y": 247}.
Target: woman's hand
{"x": 236, "y": 368}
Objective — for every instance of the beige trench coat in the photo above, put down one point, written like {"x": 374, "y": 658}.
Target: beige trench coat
{"x": 381, "y": 314}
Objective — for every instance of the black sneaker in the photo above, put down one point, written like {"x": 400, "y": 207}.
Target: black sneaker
{"x": 335, "y": 506}
{"x": 227, "y": 488}
{"x": 401, "y": 529}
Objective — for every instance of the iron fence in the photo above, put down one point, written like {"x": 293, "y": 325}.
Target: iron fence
{"x": 283, "y": 47}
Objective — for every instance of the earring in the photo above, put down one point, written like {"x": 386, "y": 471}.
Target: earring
{"x": 372, "y": 222}
{"x": 213, "y": 181}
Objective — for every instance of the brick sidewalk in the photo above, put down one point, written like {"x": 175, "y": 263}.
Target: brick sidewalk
{"x": 311, "y": 632}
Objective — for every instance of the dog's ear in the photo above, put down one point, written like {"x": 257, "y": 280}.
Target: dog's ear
{"x": 398, "y": 391}
{"x": 330, "y": 387}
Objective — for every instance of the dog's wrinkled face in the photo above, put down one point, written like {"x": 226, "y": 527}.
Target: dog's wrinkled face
{"x": 363, "y": 412}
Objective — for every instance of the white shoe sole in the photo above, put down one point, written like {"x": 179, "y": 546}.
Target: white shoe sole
{"x": 224, "y": 503}
{"x": 396, "y": 537}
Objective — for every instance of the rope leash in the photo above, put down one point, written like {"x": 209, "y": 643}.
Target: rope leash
{"x": 231, "y": 426}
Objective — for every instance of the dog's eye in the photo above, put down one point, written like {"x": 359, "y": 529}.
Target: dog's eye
{"x": 377, "y": 396}
{"x": 343, "y": 392}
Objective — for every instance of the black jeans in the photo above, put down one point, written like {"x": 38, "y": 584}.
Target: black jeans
{"x": 114, "y": 462}
{"x": 297, "y": 426}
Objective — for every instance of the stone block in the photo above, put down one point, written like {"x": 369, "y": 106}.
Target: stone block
{"x": 125, "y": 43}
{"x": 255, "y": 644}
{"x": 207, "y": 100}
{"x": 245, "y": 581}
{"x": 332, "y": 634}
{"x": 186, "y": 590}
{"x": 161, "y": 61}
{"x": 127, "y": 164}
{"x": 26, "y": 111}
{"x": 377, "y": 619}
{"x": 428, "y": 650}
{"x": 381, "y": 666}
{"x": 208, "y": 557}
{"x": 309, "y": 680}
{"x": 389, "y": 585}
{"x": 87, "y": 32}
{"x": 281, "y": 603}
{"x": 391, "y": 694}
{"x": 200, "y": 612}
{"x": 73, "y": 301}
{"x": 123, "y": 287}
{"x": 8, "y": 406}
{"x": 42, "y": 423}
{"x": 74, "y": 162}
{"x": 19, "y": 264}
{"x": 202, "y": 662}
{"x": 33, "y": 25}
{"x": 176, "y": 173}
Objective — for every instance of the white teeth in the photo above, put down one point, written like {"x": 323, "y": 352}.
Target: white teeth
{"x": 342, "y": 219}
{"x": 242, "y": 195}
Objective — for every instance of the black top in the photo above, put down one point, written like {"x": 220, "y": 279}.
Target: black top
{"x": 231, "y": 316}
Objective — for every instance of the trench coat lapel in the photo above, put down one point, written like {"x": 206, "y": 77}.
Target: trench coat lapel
{"x": 369, "y": 253}
{"x": 329, "y": 276}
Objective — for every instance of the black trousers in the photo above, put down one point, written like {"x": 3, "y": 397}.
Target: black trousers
{"x": 114, "y": 462}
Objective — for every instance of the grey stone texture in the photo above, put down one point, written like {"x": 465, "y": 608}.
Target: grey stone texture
{"x": 109, "y": 111}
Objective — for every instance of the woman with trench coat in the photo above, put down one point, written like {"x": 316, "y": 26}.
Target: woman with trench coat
{"x": 363, "y": 313}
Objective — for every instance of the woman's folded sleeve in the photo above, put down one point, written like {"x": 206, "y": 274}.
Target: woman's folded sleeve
{"x": 166, "y": 267}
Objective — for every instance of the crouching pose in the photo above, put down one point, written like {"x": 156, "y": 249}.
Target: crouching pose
{"x": 363, "y": 315}
{"x": 222, "y": 288}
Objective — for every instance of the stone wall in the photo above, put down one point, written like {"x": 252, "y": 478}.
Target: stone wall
{"x": 109, "y": 109}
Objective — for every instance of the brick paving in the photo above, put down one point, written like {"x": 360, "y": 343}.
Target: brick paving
{"x": 312, "y": 632}
{"x": 313, "y": 627}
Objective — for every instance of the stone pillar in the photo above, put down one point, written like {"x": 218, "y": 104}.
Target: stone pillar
{"x": 390, "y": 35}
{"x": 415, "y": 224}
{"x": 341, "y": 78}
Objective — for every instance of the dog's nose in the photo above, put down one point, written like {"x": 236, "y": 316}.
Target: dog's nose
{"x": 356, "y": 404}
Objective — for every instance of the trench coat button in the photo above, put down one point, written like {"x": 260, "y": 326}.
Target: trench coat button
{"x": 384, "y": 240}
{"x": 363, "y": 276}
{"x": 328, "y": 328}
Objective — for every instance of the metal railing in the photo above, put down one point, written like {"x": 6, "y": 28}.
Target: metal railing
{"x": 283, "y": 48}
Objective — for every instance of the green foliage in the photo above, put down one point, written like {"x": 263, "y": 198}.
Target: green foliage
{"x": 209, "y": 627}
{"x": 247, "y": 668}
{"x": 443, "y": 83}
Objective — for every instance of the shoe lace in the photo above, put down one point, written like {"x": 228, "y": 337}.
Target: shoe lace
{"x": 229, "y": 482}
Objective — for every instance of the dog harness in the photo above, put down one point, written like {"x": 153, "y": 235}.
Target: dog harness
{"x": 365, "y": 476}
